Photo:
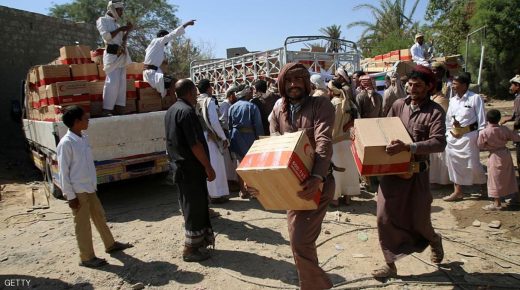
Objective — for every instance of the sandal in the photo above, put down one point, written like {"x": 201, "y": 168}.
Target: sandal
{"x": 195, "y": 256}
{"x": 453, "y": 197}
{"x": 385, "y": 272}
{"x": 117, "y": 246}
{"x": 491, "y": 207}
{"x": 93, "y": 263}
{"x": 334, "y": 203}
{"x": 213, "y": 213}
{"x": 437, "y": 254}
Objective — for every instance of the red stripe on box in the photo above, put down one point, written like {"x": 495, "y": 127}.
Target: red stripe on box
{"x": 48, "y": 81}
{"x": 96, "y": 97}
{"x": 75, "y": 60}
{"x": 44, "y": 102}
{"x": 405, "y": 57}
{"x": 381, "y": 169}
{"x": 299, "y": 169}
{"x": 141, "y": 84}
{"x": 137, "y": 77}
{"x": 35, "y": 105}
{"x": 63, "y": 100}
{"x": 86, "y": 78}
{"x": 131, "y": 95}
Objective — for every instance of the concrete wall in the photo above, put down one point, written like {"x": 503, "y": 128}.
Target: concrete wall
{"x": 28, "y": 39}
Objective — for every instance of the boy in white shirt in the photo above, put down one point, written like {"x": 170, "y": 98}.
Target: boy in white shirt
{"x": 78, "y": 183}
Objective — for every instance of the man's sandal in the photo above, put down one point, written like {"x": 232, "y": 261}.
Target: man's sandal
{"x": 385, "y": 272}
{"x": 117, "y": 246}
{"x": 452, "y": 197}
{"x": 93, "y": 263}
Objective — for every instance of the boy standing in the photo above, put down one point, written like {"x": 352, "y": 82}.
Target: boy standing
{"x": 79, "y": 184}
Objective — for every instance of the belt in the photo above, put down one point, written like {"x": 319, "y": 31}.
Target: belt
{"x": 245, "y": 130}
{"x": 465, "y": 130}
{"x": 150, "y": 66}
{"x": 112, "y": 48}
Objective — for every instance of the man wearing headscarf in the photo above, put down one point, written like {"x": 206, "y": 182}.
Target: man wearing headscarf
{"x": 393, "y": 92}
{"x": 264, "y": 102}
{"x": 297, "y": 111}
{"x": 217, "y": 141}
{"x": 342, "y": 77}
{"x": 404, "y": 201}
{"x": 319, "y": 88}
{"x": 115, "y": 57}
{"x": 230, "y": 162}
{"x": 370, "y": 103}
{"x": 347, "y": 181}
{"x": 154, "y": 57}
{"x": 465, "y": 118}
{"x": 245, "y": 126}
{"x": 515, "y": 90}
{"x": 418, "y": 51}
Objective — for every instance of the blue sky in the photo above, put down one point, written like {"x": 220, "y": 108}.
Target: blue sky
{"x": 257, "y": 25}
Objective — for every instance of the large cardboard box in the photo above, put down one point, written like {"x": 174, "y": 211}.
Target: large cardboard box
{"x": 404, "y": 54}
{"x": 84, "y": 72}
{"x": 168, "y": 101}
{"x": 149, "y": 105}
{"x": 54, "y": 113}
{"x": 75, "y": 54}
{"x": 277, "y": 166}
{"x": 131, "y": 93}
{"x": 371, "y": 138}
{"x": 33, "y": 79}
{"x": 101, "y": 72}
{"x": 43, "y": 101}
{"x": 68, "y": 93}
{"x": 134, "y": 71}
{"x": 148, "y": 94}
{"x": 95, "y": 90}
{"x": 49, "y": 74}
{"x": 131, "y": 106}
{"x": 394, "y": 55}
{"x": 96, "y": 108}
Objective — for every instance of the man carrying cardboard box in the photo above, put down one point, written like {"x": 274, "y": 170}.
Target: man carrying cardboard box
{"x": 294, "y": 112}
{"x": 115, "y": 57}
{"x": 154, "y": 57}
{"x": 404, "y": 201}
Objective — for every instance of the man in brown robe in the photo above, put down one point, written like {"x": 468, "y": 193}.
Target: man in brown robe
{"x": 298, "y": 111}
{"x": 370, "y": 103}
{"x": 404, "y": 201}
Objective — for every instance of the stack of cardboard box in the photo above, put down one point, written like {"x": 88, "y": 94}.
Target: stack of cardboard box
{"x": 148, "y": 99}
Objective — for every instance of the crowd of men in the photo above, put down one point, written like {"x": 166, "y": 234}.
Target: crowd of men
{"x": 206, "y": 139}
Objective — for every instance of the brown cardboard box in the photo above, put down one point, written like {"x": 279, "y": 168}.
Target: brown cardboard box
{"x": 395, "y": 55}
{"x": 135, "y": 71}
{"x": 96, "y": 108}
{"x": 101, "y": 72}
{"x": 386, "y": 57}
{"x": 70, "y": 93}
{"x": 84, "y": 72}
{"x": 371, "y": 138}
{"x": 404, "y": 54}
{"x": 42, "y": 97}
{"x": 55, "y": 112}
{"x": 48, "y": 74}
{"x": 168, "y": 101}
{"x": 405, "y": 67}
{"x": 75, "y": 54}
{"x": 95, "y": 90}
{"x": 276, "y": 166}
{"x": 131, "y": 93}
{"x": 131, "y": 106}
{"x": 149, "y": 105}
{"x": 33, "y": 79}
{"x": 33, "y": 100}
{"x": 148, "y": 93}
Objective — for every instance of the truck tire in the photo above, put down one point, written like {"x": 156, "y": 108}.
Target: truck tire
{"x": 49, "y": 184}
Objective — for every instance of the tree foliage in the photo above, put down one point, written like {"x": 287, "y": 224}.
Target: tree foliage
{"x": 334, "y": 32}
{"x": 147, "y": 16}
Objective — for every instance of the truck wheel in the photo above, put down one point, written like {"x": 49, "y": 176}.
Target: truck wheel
{"x": 49, "y": 184}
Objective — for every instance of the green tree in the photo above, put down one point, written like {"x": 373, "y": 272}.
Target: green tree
{"x": 391, "y": 29}
{"x": 334, "y": 32}
{"x": 147, "y": 16}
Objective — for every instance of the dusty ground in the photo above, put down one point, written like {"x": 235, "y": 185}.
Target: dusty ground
{"x": 252, "y": 250}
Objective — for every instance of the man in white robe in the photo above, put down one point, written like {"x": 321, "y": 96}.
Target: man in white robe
{"x": 217, "y": 141}
{"x": 154, "y": 57}
{"x": 229, "y": 160}
{"x": 464, "y": 119}
{"x": 115, "y": 57}
{"x": 418, "y": 51}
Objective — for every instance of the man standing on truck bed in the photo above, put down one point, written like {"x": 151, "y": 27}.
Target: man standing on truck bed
{"x": 78, "y": 183}
{"x": 154, "y": 57}
{"x": 115, "y": 58}
{"x": 187, "y": 147}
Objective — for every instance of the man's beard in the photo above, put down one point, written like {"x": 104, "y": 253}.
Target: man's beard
{"x": 297, "y": 97}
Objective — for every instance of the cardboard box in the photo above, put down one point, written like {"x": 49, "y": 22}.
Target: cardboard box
{"x": 84, "y": 72}
{"x": 101, "y": 72}
{"x": 378, "y": 57}
{"x": 404, "y": 54}
{"x": 386, "y": 56}
{"x": 131, "y": 93}
{"x": 395, "y": 55}
{"x": 49, "y": 74}
{"x": 33, "y": 100}
{"x": 55, "y": 112}
{"x": 42, "y": 97}
{"x": 68, "y": 93}
{"x": 168, "y": 101}
{"x": 33, "y": 80}
{"x": 96, "y": 108}
{"x": 149, "y": 105}
{"x": 141, "y": 84}
{"x": 134, "y": 71}
{"x": 368, "y": 149}
{"x": 75, "y": 54}
{"x": 96, "y": 56}
{"x": 277, "y": 166}
{"x": 131, "y": 107}
{"x": 148, "y": 94}
{"x": 95, "y": 90}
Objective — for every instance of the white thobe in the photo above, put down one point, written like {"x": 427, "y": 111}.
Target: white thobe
{"x": 347, "y": 182}
{"x": 219, "y": 186}
{"x": 155, "y": 56}
{"x": 417, "y": 52}
{"x": 463, "y": 154}
{"x": 76, "y": 165}
{"x": 114, "y": 91}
